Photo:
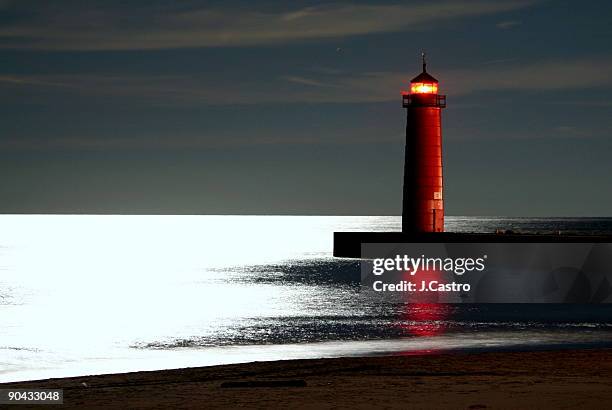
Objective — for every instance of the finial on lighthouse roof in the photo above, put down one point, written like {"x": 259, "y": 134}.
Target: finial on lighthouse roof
{"x": 424, "y": 61}
{"x": 424, "y": 77}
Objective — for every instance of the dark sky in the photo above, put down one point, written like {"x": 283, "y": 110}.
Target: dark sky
{"x": 244, "y": 107}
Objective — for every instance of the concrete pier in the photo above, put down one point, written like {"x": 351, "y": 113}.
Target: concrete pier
{"x": 348, "y": 244}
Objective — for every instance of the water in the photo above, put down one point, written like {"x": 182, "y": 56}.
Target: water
{"x": 97, "y": 294}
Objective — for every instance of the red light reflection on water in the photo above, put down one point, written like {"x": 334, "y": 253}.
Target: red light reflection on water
{"x": 423, "y": 316}
{"x": 424, "y": 319}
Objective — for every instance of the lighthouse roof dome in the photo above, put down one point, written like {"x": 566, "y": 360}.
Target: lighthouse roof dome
{"x": 424, "y": 77}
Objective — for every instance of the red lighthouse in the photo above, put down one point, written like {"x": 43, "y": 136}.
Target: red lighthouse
{"x": 423, "y": 204}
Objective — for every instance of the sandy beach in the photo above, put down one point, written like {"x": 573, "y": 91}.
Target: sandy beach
{"x": 545, "y": 379}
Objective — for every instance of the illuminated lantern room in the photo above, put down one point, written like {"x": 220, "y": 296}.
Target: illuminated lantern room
{"x": 424, "y": 84}
{"x": 423, "y": 90}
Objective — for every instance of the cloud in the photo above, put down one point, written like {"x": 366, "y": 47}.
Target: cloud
{"x": 20, "y": 80}
{"x": 308, "y": 87}
{"x": 505, "y": 25}
{"x": 260, "y": 137}
{"x": 121, "y": 26}
{"x": 329, "y": 87}
{"x": 586, "y": 73}
{"x": 307, "y": 81}
{"x": 94, "y": 143}
{"x": 533, "y": 76}
{"x": 499, "y": 61}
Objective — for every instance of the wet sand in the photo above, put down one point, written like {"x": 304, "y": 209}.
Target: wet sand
{"x": 547, "y": 379}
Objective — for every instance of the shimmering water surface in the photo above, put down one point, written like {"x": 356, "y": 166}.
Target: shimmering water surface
{"x": 97, "y": 294}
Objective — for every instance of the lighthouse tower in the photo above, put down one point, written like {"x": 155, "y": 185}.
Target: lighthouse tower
{"x": 423, "y": 203}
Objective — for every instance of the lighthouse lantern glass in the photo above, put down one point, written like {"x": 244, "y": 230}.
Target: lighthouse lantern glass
{"x": 424, "y": 88}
